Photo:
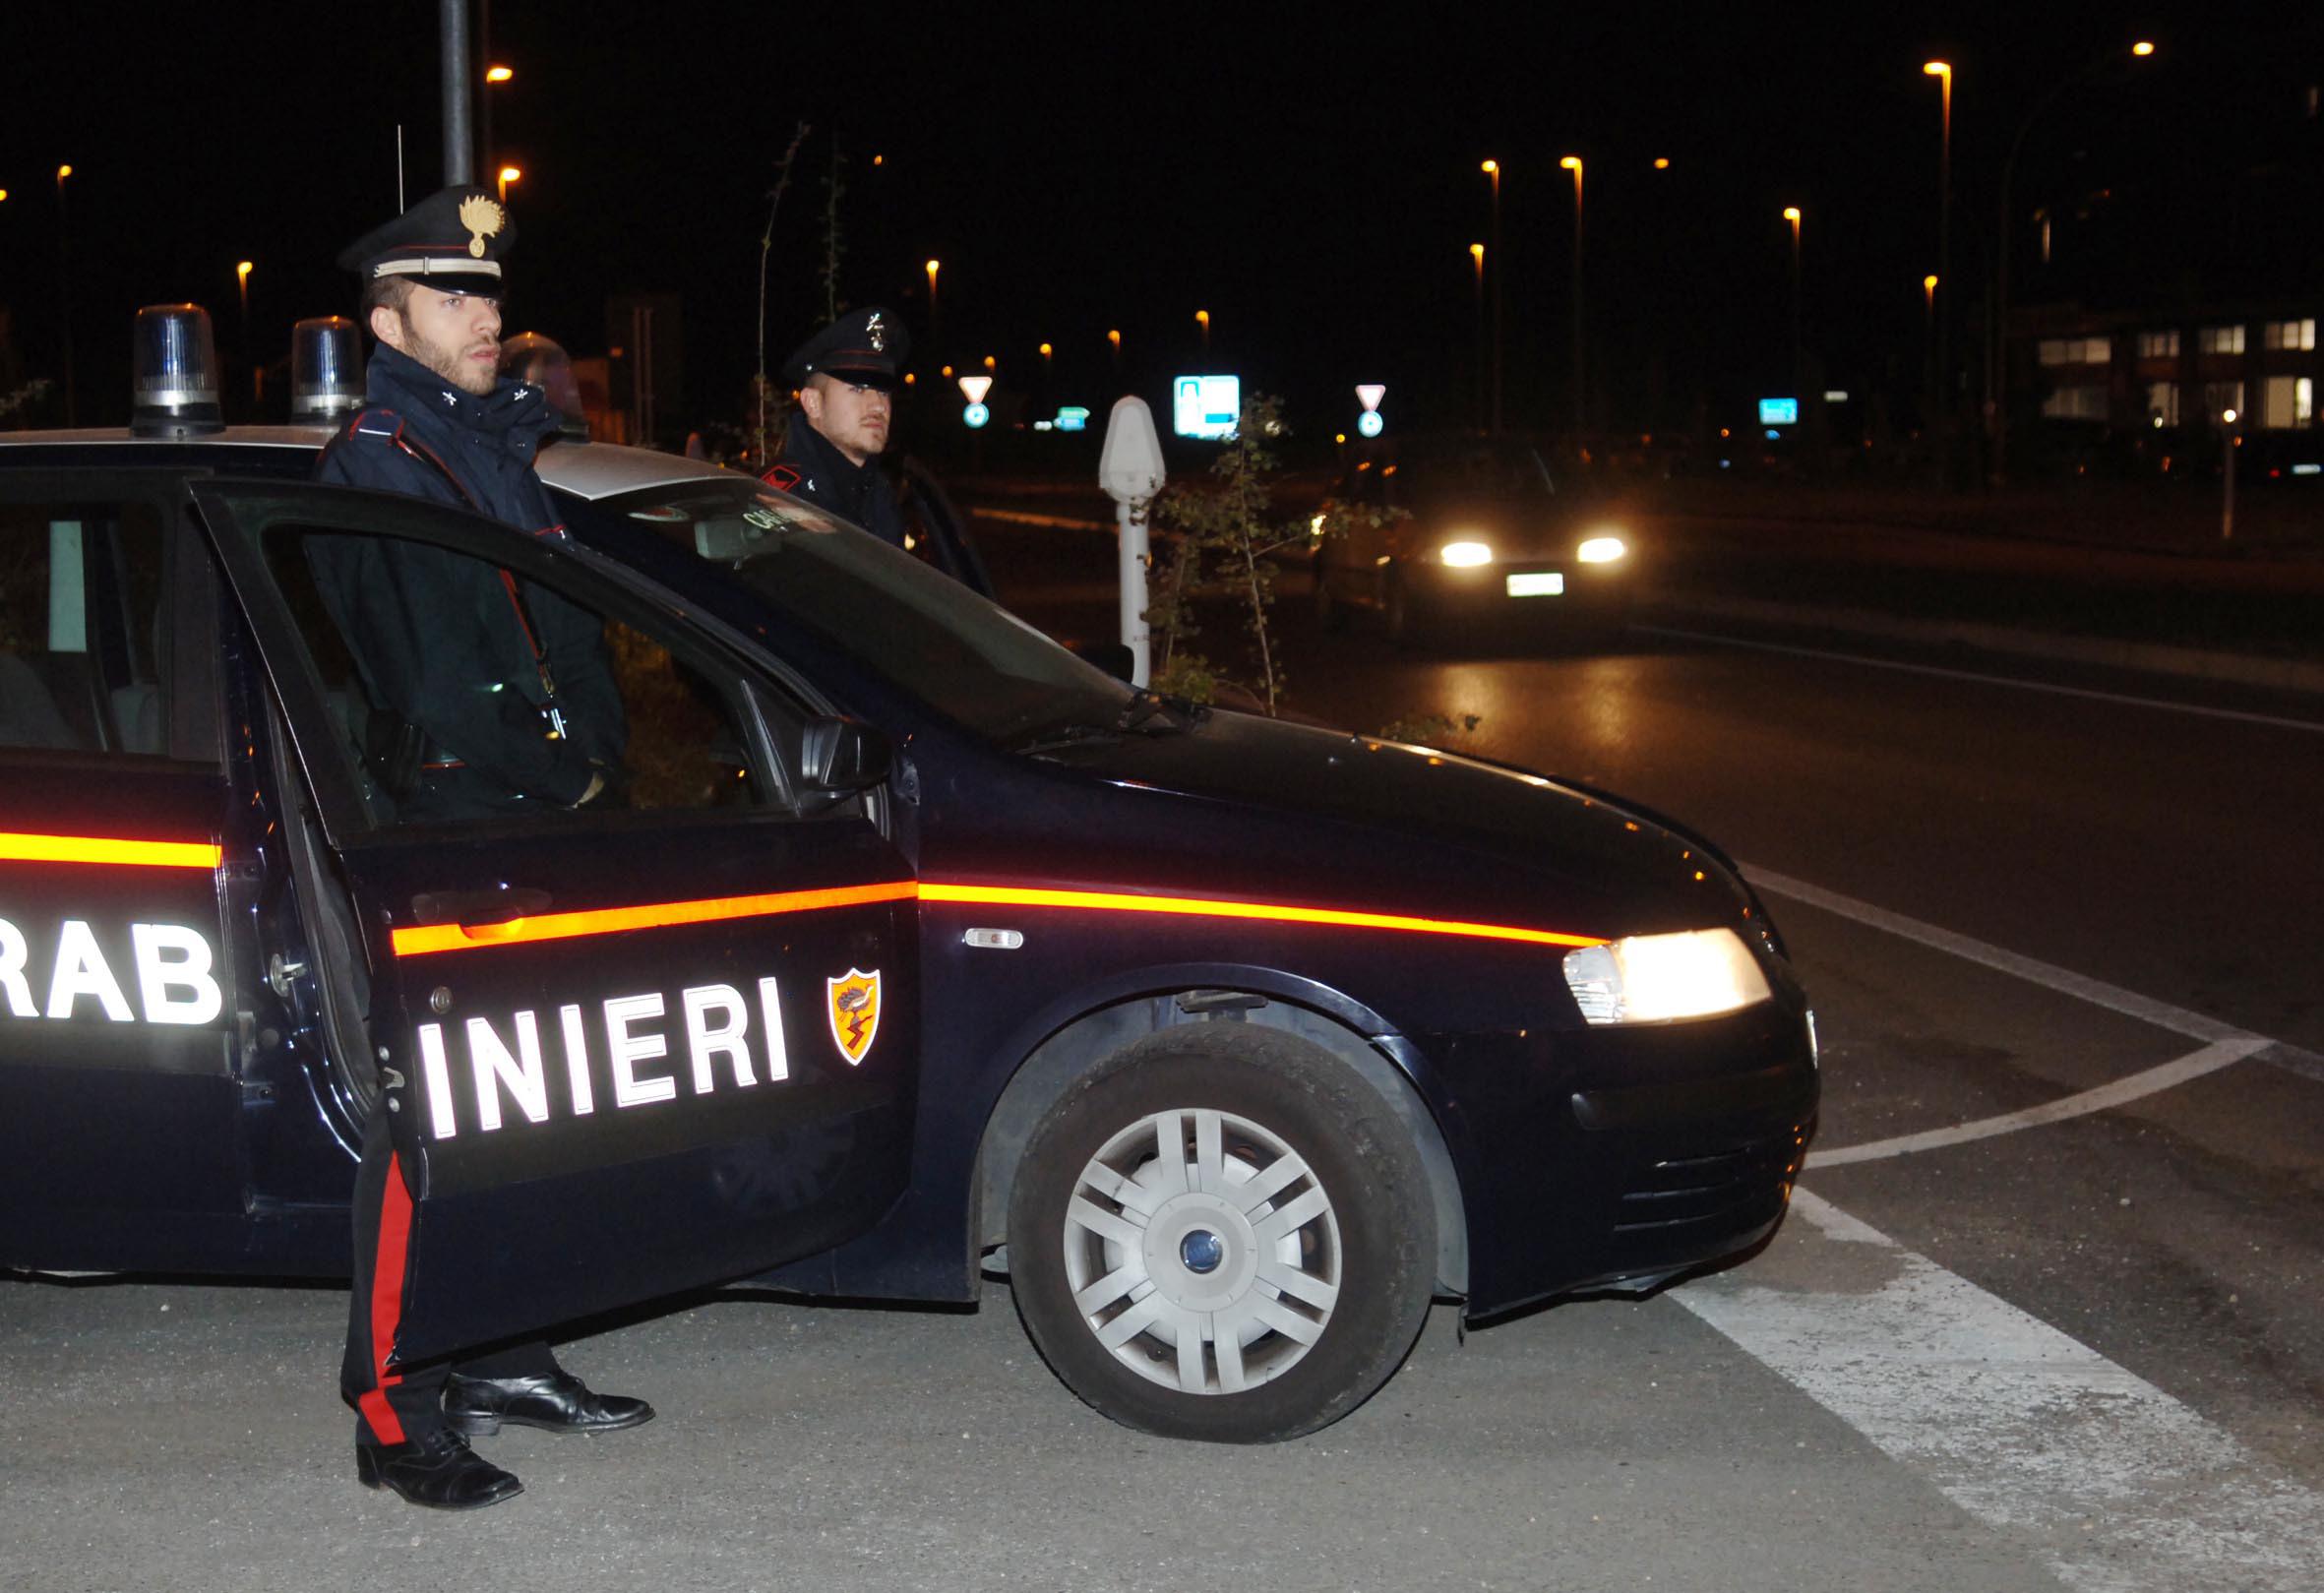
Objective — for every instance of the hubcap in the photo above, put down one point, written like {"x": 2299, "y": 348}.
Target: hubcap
{"x": 1202, "y": 1250}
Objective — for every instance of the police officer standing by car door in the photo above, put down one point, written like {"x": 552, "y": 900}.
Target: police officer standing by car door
{"x": 495, "y": 697}
{"x": 846, "y": 376}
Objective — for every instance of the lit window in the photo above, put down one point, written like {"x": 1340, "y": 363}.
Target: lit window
{"x": 2076, "y": 351}
{"x": 2223, "y": 339}
{"x": 2292, "y": 333}
{"x": 2221, "y": 397}
{"x": 2158, "y": 345}
{"x": 2076, "y": 404}
{"x": 2288, "y": 402}
{"x": 2161, "y": 403}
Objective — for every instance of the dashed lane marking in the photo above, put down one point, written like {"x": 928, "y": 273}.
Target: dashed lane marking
{"x": 2113, "y": 1484}
{"x": 2241, "y": 716}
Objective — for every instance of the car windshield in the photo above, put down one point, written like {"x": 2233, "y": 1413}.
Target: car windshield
{"x": 1478, "y": 472}
{"x": 969, "y": 659}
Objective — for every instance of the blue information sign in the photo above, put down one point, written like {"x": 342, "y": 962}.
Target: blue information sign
{"x": 1205, "y": 405}
{"x": 976, "y": 414}
{"x": 1779, "y": 411}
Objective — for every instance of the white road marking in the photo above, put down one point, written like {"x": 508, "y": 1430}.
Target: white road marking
{"x": 2213, "y": 1056}
{"x": 2064, "y": 981}
{"x": 2241, "y": 716}
{"x": 2113, "y": 1484}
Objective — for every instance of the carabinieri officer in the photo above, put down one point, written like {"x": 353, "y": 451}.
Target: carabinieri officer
{"x": 846, "y": 376}
{"x": 489, "y": 696}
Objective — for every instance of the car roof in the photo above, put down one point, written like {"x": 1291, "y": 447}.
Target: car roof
{"x": 590, "y": 471}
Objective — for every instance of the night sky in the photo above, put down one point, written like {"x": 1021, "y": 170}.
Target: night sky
{"x": 1308, "y": 174}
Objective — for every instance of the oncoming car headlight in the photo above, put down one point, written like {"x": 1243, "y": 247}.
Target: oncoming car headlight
{"x": 1463, "y": 554}
{"x": 1655, "y": 978}
{"x": 1601, "y": 549}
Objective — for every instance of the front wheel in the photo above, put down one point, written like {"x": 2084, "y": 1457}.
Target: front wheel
{"x": 1222, "y": 1234}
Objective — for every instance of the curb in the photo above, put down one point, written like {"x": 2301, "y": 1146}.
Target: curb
{"x": 2145, "y": 658}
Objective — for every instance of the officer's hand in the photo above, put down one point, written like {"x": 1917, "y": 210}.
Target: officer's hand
{"x": 595, "y": 790}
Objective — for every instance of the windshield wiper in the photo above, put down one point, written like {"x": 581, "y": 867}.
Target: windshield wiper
{"x": 1145, "y": 713}
{"x": 1148, "y": 705}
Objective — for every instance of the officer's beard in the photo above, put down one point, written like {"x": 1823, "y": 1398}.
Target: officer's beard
{"x": 466, "y": 375}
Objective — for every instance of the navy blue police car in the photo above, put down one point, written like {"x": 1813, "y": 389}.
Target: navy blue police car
{"x": 919, "y": 947}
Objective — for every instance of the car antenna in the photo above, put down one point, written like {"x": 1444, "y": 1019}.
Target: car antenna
{"x": 398, "y": 169}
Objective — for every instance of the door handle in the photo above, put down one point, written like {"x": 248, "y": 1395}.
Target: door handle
{"x": 501, "y": 905}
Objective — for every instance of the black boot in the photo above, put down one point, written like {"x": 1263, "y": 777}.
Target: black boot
{"x": 435, "y": 1468}
{"x": 559, "y": 1403}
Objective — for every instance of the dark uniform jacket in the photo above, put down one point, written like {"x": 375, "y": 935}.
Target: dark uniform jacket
{"x": 507, "y": 688}
{"x": 813, "y": 469}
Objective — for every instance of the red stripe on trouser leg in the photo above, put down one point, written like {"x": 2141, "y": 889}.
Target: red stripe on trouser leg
{"x": 387, "y": 1303}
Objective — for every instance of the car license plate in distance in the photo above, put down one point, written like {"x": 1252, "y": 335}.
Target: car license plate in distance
{"x": 1539, "y": 584}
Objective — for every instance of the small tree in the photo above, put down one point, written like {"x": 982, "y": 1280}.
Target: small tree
{"x": 762, "y": 388}
{"x": 1219, "y": 526}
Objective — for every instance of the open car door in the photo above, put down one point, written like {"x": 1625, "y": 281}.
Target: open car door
{"x": 661, "y": 1039}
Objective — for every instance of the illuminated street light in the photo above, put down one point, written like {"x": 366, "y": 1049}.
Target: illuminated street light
{"x": 507, "y": 175}
{"x": 1942, "y": 72}
{"x": 1045, "y": 351}
{"x": 64, "y": 301}
{"x": 1792, "y": 215}
{"x": 992, "y": 363}
{"x": 498, "y": 74}
{"x": 1996, "y": 376}
{"x": 1202, "y": 320}
{"x": 936, "y": 336}
{"x": 242, "y": 270}
{"x": 1573, "y": 163}
{"x": 1499, "y": 271}
{"x": 1484, "y": 352}
{"x": 1662, "y": 162}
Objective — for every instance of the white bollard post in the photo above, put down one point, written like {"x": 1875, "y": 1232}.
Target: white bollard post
{"x": 1130, "y": 469}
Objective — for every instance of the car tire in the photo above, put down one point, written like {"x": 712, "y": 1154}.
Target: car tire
{"x": 1171, "y": 1301}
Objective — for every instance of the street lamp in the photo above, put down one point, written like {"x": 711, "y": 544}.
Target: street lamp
{"x": 1997, "y": 374}
{"x": 507, "y": 175}
{"x": 1491, "y": 170}
{"x": 64, "y": 266}
{"x": 935, "y": 326}
{"x": 495, "y": 75}
{"x": 1929, "y": 339}
{"x": 1202, "y": 320}
{"x": 1484, "y": 356}
{"x": 1942, "y": 72}
{"x": 1792, "y": 215}
{"x": 242, "y": 270}
{"x": 1573, "y": 163}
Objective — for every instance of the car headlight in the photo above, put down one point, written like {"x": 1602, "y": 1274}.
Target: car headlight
{"x": 1601, "y": 550}
{"x": 1464, "y": 554}
{"x": 1655, "y": 978}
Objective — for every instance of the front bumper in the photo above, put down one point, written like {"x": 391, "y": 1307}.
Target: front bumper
{"x": 1544, "y": 591}
{"x": 1628, "y": 1155}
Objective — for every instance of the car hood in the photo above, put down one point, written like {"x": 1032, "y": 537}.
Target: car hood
{"x": 1329, "y": 814}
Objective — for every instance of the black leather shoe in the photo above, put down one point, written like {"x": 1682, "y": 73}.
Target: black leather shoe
{"x": 437, "y": 1469}
{"x": 560, "y": 1403}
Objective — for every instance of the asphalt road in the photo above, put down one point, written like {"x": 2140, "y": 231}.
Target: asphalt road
{"x": 2048, "y": 1314}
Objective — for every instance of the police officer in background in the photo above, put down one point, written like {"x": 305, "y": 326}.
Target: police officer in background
{"x": 497, "y": 698}
{"x": 846, "y": 376}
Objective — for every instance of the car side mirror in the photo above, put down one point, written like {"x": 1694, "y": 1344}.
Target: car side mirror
{"x": 1114, "y": 657}
{"x": 842, "y": 755}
